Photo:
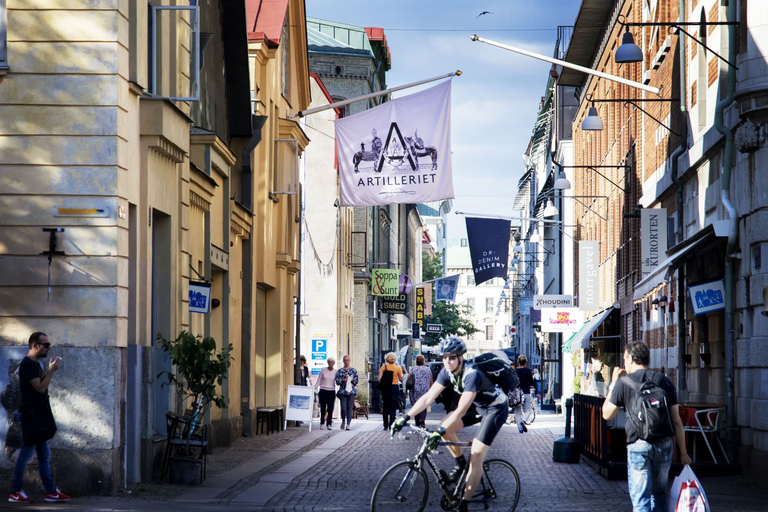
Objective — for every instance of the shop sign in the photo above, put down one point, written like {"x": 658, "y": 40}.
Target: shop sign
{"x": 561, "y": 319}
{"x": 420, "y": 305}
{"x": 589, "y": 288}
{"x": 435, "y": 328}
{"x": 551, "y": 301}
{"x": 199, "y": 297}
{"x": 653, "y": 237}
{"x": 394, "y": 305}
{"x": 385, "y": 282}
{"x": 81, "y": 211}
{"x": 707, "y": 297}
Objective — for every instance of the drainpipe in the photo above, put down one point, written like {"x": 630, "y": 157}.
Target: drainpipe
{"x": 730, "y": 252}
{"x": 681, "y": 370}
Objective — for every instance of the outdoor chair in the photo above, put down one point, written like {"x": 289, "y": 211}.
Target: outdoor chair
{"x": 705, "y": 421}
{"x": 182, "y": 442}
{"x": 360, "y": 410}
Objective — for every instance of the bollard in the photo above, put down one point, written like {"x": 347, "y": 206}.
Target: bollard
{"x": 566, "y": 449}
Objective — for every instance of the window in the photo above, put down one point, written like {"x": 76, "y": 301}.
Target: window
{"x": 488, "y": 333}
{"x": 489, "y": 305}
{"x": 285, "y": 63}
{"x": 471, "y": 305}
{"x": 3, "y": 38}
{"x": 169, "y": 28}
{"x": 490, "y": 282}
{"x": 286, "y": 171}
{"x": 470, "y": 280}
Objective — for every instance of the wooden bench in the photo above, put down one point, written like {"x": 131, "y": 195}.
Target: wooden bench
{"x": 360, "y": 410}
{"x": 271, "y": 417}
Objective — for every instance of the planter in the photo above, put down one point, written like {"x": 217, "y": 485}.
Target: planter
{"x": 184, "y": 470}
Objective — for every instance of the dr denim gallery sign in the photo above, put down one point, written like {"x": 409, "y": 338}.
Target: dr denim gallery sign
{"x": 653, "y": 237}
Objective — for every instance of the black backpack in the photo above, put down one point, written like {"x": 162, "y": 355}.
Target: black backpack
{"x": 649, "y": 410}
{"x": 496, "y": 366}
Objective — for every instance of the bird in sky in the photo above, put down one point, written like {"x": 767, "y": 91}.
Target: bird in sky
{"x": 484, "y": 12}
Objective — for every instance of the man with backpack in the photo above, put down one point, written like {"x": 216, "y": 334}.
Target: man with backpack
{"x": 479, "y": 395}
{"x": 653, "y": 418}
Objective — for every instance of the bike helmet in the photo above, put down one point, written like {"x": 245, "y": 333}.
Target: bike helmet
{"x": 453, "y": 346}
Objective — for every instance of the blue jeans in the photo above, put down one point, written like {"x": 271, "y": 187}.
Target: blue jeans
{"x": 43, "y": 464}
{"x": 648, "y": 472}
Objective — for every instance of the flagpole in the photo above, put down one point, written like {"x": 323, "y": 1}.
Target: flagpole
{"x": 589, "y": 71}
{"x": 436, "y": 279}
{"x": 315, "y": 110}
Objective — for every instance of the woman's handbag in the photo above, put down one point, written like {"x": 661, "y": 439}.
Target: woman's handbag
{"x": 37, "y": 423}
{"x": 385, "y": 382}
{"x": 410, "y": 381}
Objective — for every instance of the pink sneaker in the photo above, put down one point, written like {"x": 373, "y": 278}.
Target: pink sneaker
{"x": 56, "y": 496}
{"x": 20, "y": 497}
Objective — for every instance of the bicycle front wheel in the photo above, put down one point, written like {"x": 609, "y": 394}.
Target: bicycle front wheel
{"x": 401, "y": 487}
{"x": 499, "y": 488}
{"x": 532, "y": 414}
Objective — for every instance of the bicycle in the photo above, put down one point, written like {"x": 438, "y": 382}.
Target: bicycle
{"x": 531, "y": 414}
{"x": 405, "y": 485}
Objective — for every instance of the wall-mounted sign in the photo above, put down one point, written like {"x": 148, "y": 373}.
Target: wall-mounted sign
{"x": 394, "y": 305}
{"x": 405, "y": 283}
{"x": 385, "y": 281}
{"x": 427, "y": 293}
{"x": 435, "y": 328}
{"x": 319, "y": 355}
{"x": 653, "y": 237}
{"x": 199, "y": 297}
{"x": 707, "y": 297}
{"x": 561, "y": 319}
{"x": 551, "y": 301}
{"x": 420, "y": 294}
{"x": 81, "y": 211}
{"x": 589, "y": 286}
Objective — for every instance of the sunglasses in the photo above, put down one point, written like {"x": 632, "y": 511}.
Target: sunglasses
{"x": 450, "y": 358}
{"x": 46, "y": 345}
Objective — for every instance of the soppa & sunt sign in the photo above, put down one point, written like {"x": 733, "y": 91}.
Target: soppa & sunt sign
{"x": 385, "y": 281}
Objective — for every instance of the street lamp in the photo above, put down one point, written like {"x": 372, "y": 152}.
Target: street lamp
{"x": 628, "y": 51}
{"x": 550, "y": 210}
{"x": 594, "y": 123}
{"x": 562, "y": 183}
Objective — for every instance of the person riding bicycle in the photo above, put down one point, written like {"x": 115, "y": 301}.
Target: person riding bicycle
{"x": 478, "y": 396}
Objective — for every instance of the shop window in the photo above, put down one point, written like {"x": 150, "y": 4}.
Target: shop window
{"x": 3, "y": 38}
{"x": 174, "y": 52}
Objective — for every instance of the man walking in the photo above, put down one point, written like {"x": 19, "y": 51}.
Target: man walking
{"x": 649, "y": 449}
{"x": 523, "y": 410}
{"x": 37, "y": 424}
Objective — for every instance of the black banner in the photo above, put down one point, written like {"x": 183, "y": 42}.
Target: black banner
{"x": 395, "y": 304}
{"x": 489, "y": 247}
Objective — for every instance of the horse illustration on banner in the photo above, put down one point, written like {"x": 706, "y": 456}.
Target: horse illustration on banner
{"x": 417, "y": 149}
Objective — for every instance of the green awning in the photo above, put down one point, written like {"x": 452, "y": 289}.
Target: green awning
{"x": 567, "y": 343}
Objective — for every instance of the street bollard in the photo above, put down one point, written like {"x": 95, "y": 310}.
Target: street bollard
{"x": 566, "y": 449}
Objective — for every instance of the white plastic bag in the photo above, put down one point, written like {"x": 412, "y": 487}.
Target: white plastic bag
{"x": 687, "y": 493}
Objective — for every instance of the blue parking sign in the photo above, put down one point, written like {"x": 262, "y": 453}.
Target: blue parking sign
{"x": 319, "y": 345}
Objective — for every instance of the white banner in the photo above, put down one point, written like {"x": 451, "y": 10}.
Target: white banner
{"x": 589, "y": 286}
{"x": 653, "y": 237}
{"x": 398, "y": 152}
{"x": 561, "y": 319}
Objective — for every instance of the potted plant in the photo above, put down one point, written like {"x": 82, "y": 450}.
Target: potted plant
{"x": 199, "y": 369}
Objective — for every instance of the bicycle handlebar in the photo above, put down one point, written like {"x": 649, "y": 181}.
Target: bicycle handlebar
{"x": 423, "y": 432}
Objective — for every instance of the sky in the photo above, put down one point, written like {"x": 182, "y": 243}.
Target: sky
{"x": 494, "y": 101}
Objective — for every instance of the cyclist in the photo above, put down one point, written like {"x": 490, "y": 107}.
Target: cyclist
{"x": 478, "y": 395}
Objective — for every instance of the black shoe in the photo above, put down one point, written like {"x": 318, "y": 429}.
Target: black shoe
{"x": 386, "y": 427}
{"x": 522, "y": 424}
{"x": 455, "y": 473}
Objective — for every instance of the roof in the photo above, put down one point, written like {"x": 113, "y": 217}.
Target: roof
{"x": 334, "y": 37}
{"x": 266, "y": 19}
{"x": 320, "y": 42}
{"x": 458, "y": 257}
{"x": 588, "y": 33}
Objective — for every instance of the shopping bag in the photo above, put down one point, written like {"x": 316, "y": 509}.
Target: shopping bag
{"x": 687, "y": 493}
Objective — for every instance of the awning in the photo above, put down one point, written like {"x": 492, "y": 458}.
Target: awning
{"x": 567, "y": 343}
{"x": 660, "y": 276}
{"x": 580, "y": 339}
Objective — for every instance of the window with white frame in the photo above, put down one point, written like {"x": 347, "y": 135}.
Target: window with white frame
{"x": 3, "y": 38}
{"x": 470, "y": 280}
{"x": 471, "y": 305}
{"x": 489, "y": 305}
{"x": 489, "y": 333}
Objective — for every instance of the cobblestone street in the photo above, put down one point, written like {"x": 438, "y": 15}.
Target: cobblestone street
{"x": 296, "y": 470}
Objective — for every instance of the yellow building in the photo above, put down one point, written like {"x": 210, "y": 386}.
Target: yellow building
{"x": 128, "y": 125}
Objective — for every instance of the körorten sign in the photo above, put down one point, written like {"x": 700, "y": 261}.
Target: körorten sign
{"x": 653, "y": 237}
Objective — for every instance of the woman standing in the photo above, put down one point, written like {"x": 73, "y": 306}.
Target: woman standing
{"x": 304, "y": 372}
{"x": 346, "y": 378}
{"x": 326, "y": 382}
{"x": 390, "y": 391}
{"x": 422, "y": 381}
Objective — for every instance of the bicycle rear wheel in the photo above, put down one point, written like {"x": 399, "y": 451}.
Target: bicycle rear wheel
{"x": 401, "y": 487}
{"x": 499, "y": 488}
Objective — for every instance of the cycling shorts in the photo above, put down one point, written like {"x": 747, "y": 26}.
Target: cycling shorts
{"x": 491, "y": 420}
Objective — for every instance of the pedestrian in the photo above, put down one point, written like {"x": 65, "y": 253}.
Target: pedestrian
{"x": 326, "y": 383}
{"x": 390, "y": 391}
{"x": 422, "y": 381}
{"x": 346, "y": 379}
{"x": 523, "y": 410}
{"x": 537, "y": 380}
{"x": 648, "y": 461}
{"x": 37, "y": 423}
{"x": 304, "y": 372}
